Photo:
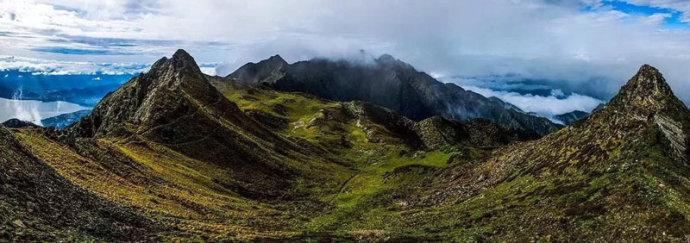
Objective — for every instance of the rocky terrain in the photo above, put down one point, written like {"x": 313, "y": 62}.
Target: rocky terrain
{"x": 176, "y": 155}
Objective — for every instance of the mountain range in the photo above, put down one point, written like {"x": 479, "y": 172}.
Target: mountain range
{"x": 390, "y": 83}
{"x": 334, "y": 151}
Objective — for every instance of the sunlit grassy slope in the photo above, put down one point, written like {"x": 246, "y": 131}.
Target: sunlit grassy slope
{"x": 200, "y": 200}
{"x": 584, "y": 182}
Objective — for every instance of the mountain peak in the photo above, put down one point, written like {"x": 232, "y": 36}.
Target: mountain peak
{"x": 646, "y": 91}
{"x": 180, "y": 61}
{"x": 182, "y": 56}
{"x": 386, "y": 57}
{"x": 168, "y": 87}
{"x": 265, "y": 71}
{"x": 276, "y": 58}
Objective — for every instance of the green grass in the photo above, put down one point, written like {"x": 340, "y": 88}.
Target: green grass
{"x": 369, "y": 191}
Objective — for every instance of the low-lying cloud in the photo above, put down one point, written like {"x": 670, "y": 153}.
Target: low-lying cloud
{"x": 583, "y": 46}
{"x": 548, "y": 106}
{"x": 34, "y": 111}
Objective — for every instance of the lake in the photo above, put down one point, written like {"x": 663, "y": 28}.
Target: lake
{"x": 33, "y": 110}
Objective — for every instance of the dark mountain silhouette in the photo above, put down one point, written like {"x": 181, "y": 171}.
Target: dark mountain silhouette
{"x": 570, "y": 118}
{"x": 65, "y": 120}
{"x": 390, "y": 83}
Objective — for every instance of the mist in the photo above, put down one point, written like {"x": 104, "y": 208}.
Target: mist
{"x": 34, "y": 111}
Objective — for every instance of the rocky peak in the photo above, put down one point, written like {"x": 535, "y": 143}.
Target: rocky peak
{"x": 265, "y": 71}
{"x": 646, "y": 93}
{"x": 155, "y": 97}
{"x": 387, "y": 60}
{"x": 646, "y": 101}
{"x": 276, "y": 59}
{"x": 180, "y": 63}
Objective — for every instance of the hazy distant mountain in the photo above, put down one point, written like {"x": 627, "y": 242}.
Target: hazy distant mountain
{"x": 82, "y": 89}
{"x": 390, "y": 83}
{"x": 64, "y": 120}
{"x": 571, "y": 117}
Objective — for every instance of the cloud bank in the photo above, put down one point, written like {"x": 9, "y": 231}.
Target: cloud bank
{"x": 558, "y": 103}
{"x": 587, "y": 47}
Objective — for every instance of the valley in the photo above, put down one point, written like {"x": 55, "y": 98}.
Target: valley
{"x": 177, "y": 155}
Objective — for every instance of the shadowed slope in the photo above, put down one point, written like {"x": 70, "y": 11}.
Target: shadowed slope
{"x": 590, "y": 181}
{"x": 36, "y": 204}
{"x": 175, "y": 105}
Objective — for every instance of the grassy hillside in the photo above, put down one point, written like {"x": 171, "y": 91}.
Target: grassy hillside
{"x": 178, "y": 156}
{"x": 203, "y": 200}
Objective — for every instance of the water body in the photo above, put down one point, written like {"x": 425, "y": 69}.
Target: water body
{"x": 33, "y": 110}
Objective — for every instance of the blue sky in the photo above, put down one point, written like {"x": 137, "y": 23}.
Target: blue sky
{"x": 583, "y": 48}
{"x": 672, "y": 18}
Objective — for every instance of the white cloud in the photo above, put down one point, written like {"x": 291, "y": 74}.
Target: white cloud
{"x": 54, "y": 67}
{"x": 590, "y": 52}
{"x": 34, "y": 111}
{"x": 547, "y": 106}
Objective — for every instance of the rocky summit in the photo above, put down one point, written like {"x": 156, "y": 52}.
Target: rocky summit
{"x": 327, "y": 150}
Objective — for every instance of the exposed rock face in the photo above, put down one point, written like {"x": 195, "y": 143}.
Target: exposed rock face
{"x": 572, "y": 117}
{"x": 648, "y": 98}
{"x": 36, "y": 204}
{"x": 390, "y": 83}
{"x": 644, "y": 111}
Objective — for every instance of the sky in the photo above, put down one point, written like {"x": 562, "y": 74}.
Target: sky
{"x": 545, "y": 56}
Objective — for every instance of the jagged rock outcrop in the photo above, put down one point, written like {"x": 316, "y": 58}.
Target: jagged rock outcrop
{"x": 390, "y": 83}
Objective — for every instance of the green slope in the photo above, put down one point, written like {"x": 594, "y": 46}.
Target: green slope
{"x": 203, "y": 159}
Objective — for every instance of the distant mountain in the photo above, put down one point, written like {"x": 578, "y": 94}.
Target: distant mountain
{"x": 82, "y": 89}
{"x": 266, "y": 71}
{"x": 390, "y": 83}
{"x": 65, "y": 120}
{"x": 571, "y": 117}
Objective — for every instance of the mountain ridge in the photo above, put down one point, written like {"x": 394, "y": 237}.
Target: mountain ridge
{"x": 390, "y": 83}
{"x": 622, "y": 160}
{"x": 176, "y": 155}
